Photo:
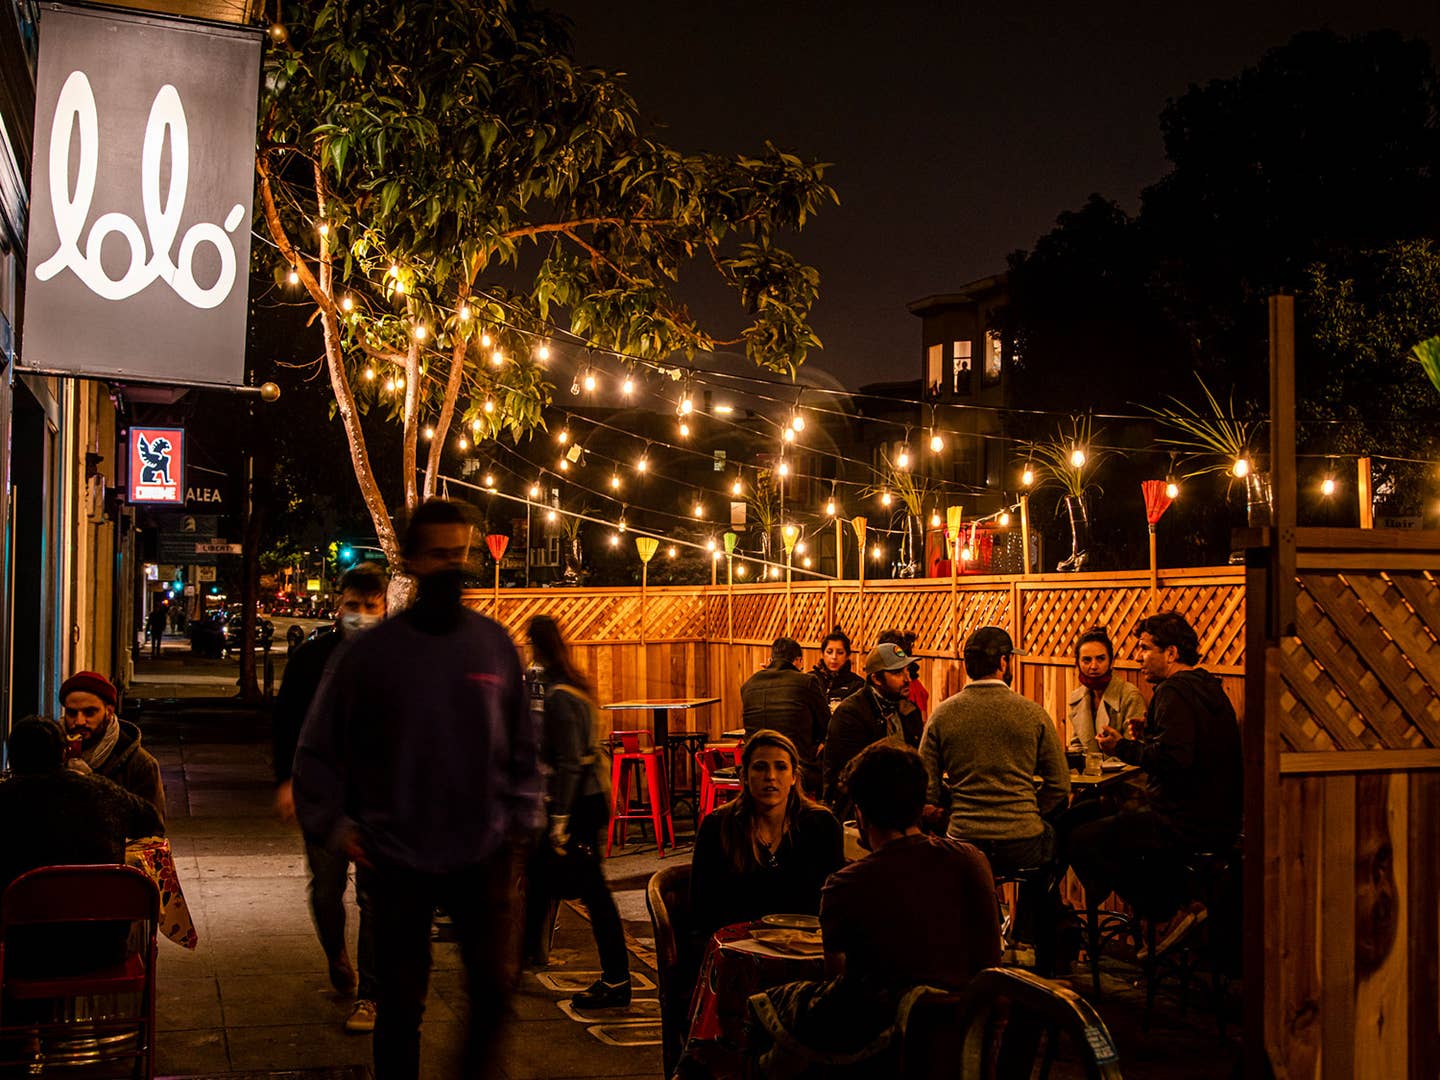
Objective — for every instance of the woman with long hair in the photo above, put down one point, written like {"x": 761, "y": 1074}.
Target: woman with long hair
{"x": 770, "y": 850}
{"x": 836, "y": 677}
{"x": 577, "y": 809}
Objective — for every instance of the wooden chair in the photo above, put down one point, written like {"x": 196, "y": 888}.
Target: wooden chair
{"x": 1014, "y": 1024}
{"x": 81, "y": 894}
{"x": 667, "y": 896}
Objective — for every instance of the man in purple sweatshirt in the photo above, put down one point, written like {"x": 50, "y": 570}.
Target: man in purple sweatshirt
{"x": 418, "y": 761}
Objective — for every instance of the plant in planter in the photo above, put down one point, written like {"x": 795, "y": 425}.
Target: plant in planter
{"x": 572, "y": 556}
{"x": 912, "y": 491}
{"x": 1216, "y": 440}
{"x": 1069, "y": 462}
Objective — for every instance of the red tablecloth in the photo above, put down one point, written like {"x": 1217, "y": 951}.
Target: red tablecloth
{"x": 736, "y": 966}
{"x": 152, "y": 855}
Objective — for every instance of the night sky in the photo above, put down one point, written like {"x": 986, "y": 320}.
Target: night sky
{"x": 957, "y": 132}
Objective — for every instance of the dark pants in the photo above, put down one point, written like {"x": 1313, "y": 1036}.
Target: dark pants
{"x": 580, "y": 875}
{"x": 155, "y": 637}
{"x": 478, "y": 899}
{"x": 1037, "y": 910}
{"x": 329, "y": 872}
{"x": 1134, "y": 854}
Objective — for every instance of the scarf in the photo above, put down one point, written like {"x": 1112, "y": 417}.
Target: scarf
{"x": 91, "y": 760}
{"x": 889, "y": 712}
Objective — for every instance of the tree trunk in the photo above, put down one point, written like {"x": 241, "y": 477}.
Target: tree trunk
{"x": 447, "y": 412}
{"x": 410, "y": 416}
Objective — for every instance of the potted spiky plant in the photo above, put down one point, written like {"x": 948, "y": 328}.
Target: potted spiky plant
{"x": 1216, "y": 440}
{"x": 912, "y": 491}
{"x": 1069, "y": 461}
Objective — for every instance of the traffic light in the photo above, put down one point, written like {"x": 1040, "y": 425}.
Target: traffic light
{"x": 347, "y": 555}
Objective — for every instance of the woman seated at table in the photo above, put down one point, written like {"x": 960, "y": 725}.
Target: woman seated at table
{"x": 770, "y": 850}
{"x": 836, "y": 677}
{"x": 1102, "y": 699}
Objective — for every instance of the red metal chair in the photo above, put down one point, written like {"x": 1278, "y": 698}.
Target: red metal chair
{"x": 635, "y": 755}
{"x": 82, "y": 894}
{"x": 714, "y": 789}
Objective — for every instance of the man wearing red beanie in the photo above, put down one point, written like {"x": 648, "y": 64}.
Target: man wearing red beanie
{"x": 98, "y": 741}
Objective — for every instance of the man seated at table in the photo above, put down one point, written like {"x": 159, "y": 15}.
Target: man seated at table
{"x": 780, "y": 697}
{"x": 100, "y": 742}
{"x": 984, "y": 748}
{"x": 53, "y": 816}
{"x": 881, "y": 709}
{"x": 1189, "y": 749}
{"x": 882, "y": 929}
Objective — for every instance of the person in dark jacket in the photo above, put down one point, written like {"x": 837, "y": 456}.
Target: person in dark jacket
{"x": 53, "y": 816}
{"x": 362, "y": 605}
{"x": 1189, "y": 748}
{"x": 577, "y": 810}
{"x": 100, "y": 742}
{"x": 833, "y": 671}
{"x": 880, "y": 709}
{"x": 917, "y": 692}
{"x": 780, "y": 697}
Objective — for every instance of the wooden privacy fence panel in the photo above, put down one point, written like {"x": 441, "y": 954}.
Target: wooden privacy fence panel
{"x": 1343, "y": 812}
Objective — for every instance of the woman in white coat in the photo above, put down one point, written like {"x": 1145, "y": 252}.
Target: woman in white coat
{"x": 1101, "y": 700}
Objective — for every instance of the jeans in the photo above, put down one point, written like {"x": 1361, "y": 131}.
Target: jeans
{"x": 478, "y": 899}
{"x": 329, "y": 871}
{"x": 1136, "y": 855}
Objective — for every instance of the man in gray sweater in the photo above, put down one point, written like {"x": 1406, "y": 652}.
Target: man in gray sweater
{"x": 983, "y": 749}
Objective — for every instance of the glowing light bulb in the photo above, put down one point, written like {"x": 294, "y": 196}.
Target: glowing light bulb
{"x": 936, "y": 442}
{"x": 797, "y": 422}
{"x": 400, "y": 382}
{"x": 902, "y": 460}
{"x": 294, "y": 277}
{"x": 622, "y": 525}
{"x": 740, "y": 570}
{"x": 710, "y": 544}
{"x": 324, "y": 228}
{"x": 563, "y": 437}
{"x": 614, "y": 482}
{"x": 670, "y": 551}
{"x": 489, "y": 479}
{"x": 800, "y": 548}
{"x": 1327, "y": 486}
{"x": 429, "y": 432}
{"x": 369, "y": 374}
{"x": 686, "y": 406}
{"x": 550, "y": 516}
{"x": 724, "y": 410}
{"x": 1028, "y": 476}
{"x": 884, "y": 498}
{"x": 389, "y": 386}
{"x": 589, "y": 382}
{"x": 642, "y": 465}
{"x": 628, "y": 386}
{"x": 614, "y": 539}
{"x": 736, "y": 488}
{"x": 347, "y": 303}
{"x": 543, "y": 352}
{"x": 789, "y": 435}
{"x": 965, "y": 554}
{"x": 489, "y": 405}
{"x": 934, "y": 519}
{"x": 830, "y": 507}
{"x": 497, "y": 358}
{"x": 876, "y": 552}
{"x": 805, "y": 562}
{"x": 698, "y": 510}
{"x": 485, "y": 339}
{"x": 564, "y": 465}
{"x": 421, "y": 332}
{"x": 784, "y": 469}
{"x": 1241, "y": 468}
{"x": 1172, "y": 490}
{"x": 463, "y": 444}
{"x": 535, "y": 492}
{"x": 684, "y": 430}
{"x": 789, "y": 530}
{"x": 465, "y": 314}
{"x": 1004, "y": 518}
{"x": 1077, "y": 458}
{"x": 400, "y": 287}
{"x": 475, "y": 426}
{"x": 394, "y": 270}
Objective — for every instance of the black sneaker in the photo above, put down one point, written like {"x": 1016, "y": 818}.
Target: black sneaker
{"x": 603, "y": 995}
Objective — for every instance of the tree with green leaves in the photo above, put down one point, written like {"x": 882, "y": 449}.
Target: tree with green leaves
{"x": 448, "y": 186}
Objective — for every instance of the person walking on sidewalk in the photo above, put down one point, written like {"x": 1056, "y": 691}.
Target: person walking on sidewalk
{"x": 362, "y": 605}
{"x": 155, "y": 628}
{"x": 419, "y": 760}
{"x": 578, "y": 809}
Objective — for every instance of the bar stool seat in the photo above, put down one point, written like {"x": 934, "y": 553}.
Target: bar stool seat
{"x": 719, "y": 779}
{"x": 635, "y": 756}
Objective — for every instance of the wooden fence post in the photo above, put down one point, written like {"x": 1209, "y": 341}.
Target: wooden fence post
{"x": 1364, "y": 493}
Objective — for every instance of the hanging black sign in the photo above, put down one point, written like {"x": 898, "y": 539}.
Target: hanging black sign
{"x": 141, "y": 197}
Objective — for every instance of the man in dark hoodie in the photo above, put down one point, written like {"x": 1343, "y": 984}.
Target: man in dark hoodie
{"x": 419, "y": 761}
{"x": 98, "y": 741}
{"x": 1189, "y": 747}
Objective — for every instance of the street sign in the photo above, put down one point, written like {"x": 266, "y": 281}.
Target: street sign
{"x": 205, "y": 573}
{"x": 189, "y": 590}
{"x": 141, "y": 195}
{"x": 312, "y": 584}
{"x": 218, "y": 547}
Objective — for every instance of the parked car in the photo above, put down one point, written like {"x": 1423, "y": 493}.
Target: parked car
{"x": 207, "y": 636}
{"x": 264, "y": 631}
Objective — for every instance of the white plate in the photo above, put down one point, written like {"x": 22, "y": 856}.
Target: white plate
{"x": 792, "y": 922}
{"x": 1112, "y": 766}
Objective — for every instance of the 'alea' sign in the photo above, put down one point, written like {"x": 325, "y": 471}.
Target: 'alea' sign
{"x": 141, "y": 197}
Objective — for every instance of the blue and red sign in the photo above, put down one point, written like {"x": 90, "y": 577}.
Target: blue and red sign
{"x": 157, "y": 465}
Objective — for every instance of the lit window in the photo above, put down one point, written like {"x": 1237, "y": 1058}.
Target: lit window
{"x": 961, "y": 353}
{"x": 935, "y": 368}
{"x": 994, "y": 357}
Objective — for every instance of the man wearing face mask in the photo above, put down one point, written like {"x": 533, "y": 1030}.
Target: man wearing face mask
{"x": 362, "y": 605}
{"x": 420, "y": 760}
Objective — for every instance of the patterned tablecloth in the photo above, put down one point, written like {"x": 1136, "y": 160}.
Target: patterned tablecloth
{"x": 736, "y": 965}
{"x": 152, "y": 855}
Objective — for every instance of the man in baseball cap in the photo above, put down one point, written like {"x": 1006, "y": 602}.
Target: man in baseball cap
{"x": 98, "y": 741}
{"x": 881, "y": 709}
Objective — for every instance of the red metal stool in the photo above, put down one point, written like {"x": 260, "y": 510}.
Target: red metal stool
{"x": 634, "y": 753}
{"x": 715, "y": 789}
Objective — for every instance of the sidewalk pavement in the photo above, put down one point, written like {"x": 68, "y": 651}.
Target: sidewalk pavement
{"x": 254, "y": 999}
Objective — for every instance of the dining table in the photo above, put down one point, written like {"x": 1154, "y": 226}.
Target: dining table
{"x": 152, "y": 855}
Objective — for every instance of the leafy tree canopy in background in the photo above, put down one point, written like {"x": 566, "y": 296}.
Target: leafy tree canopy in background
{"x": 437, "y": 173}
